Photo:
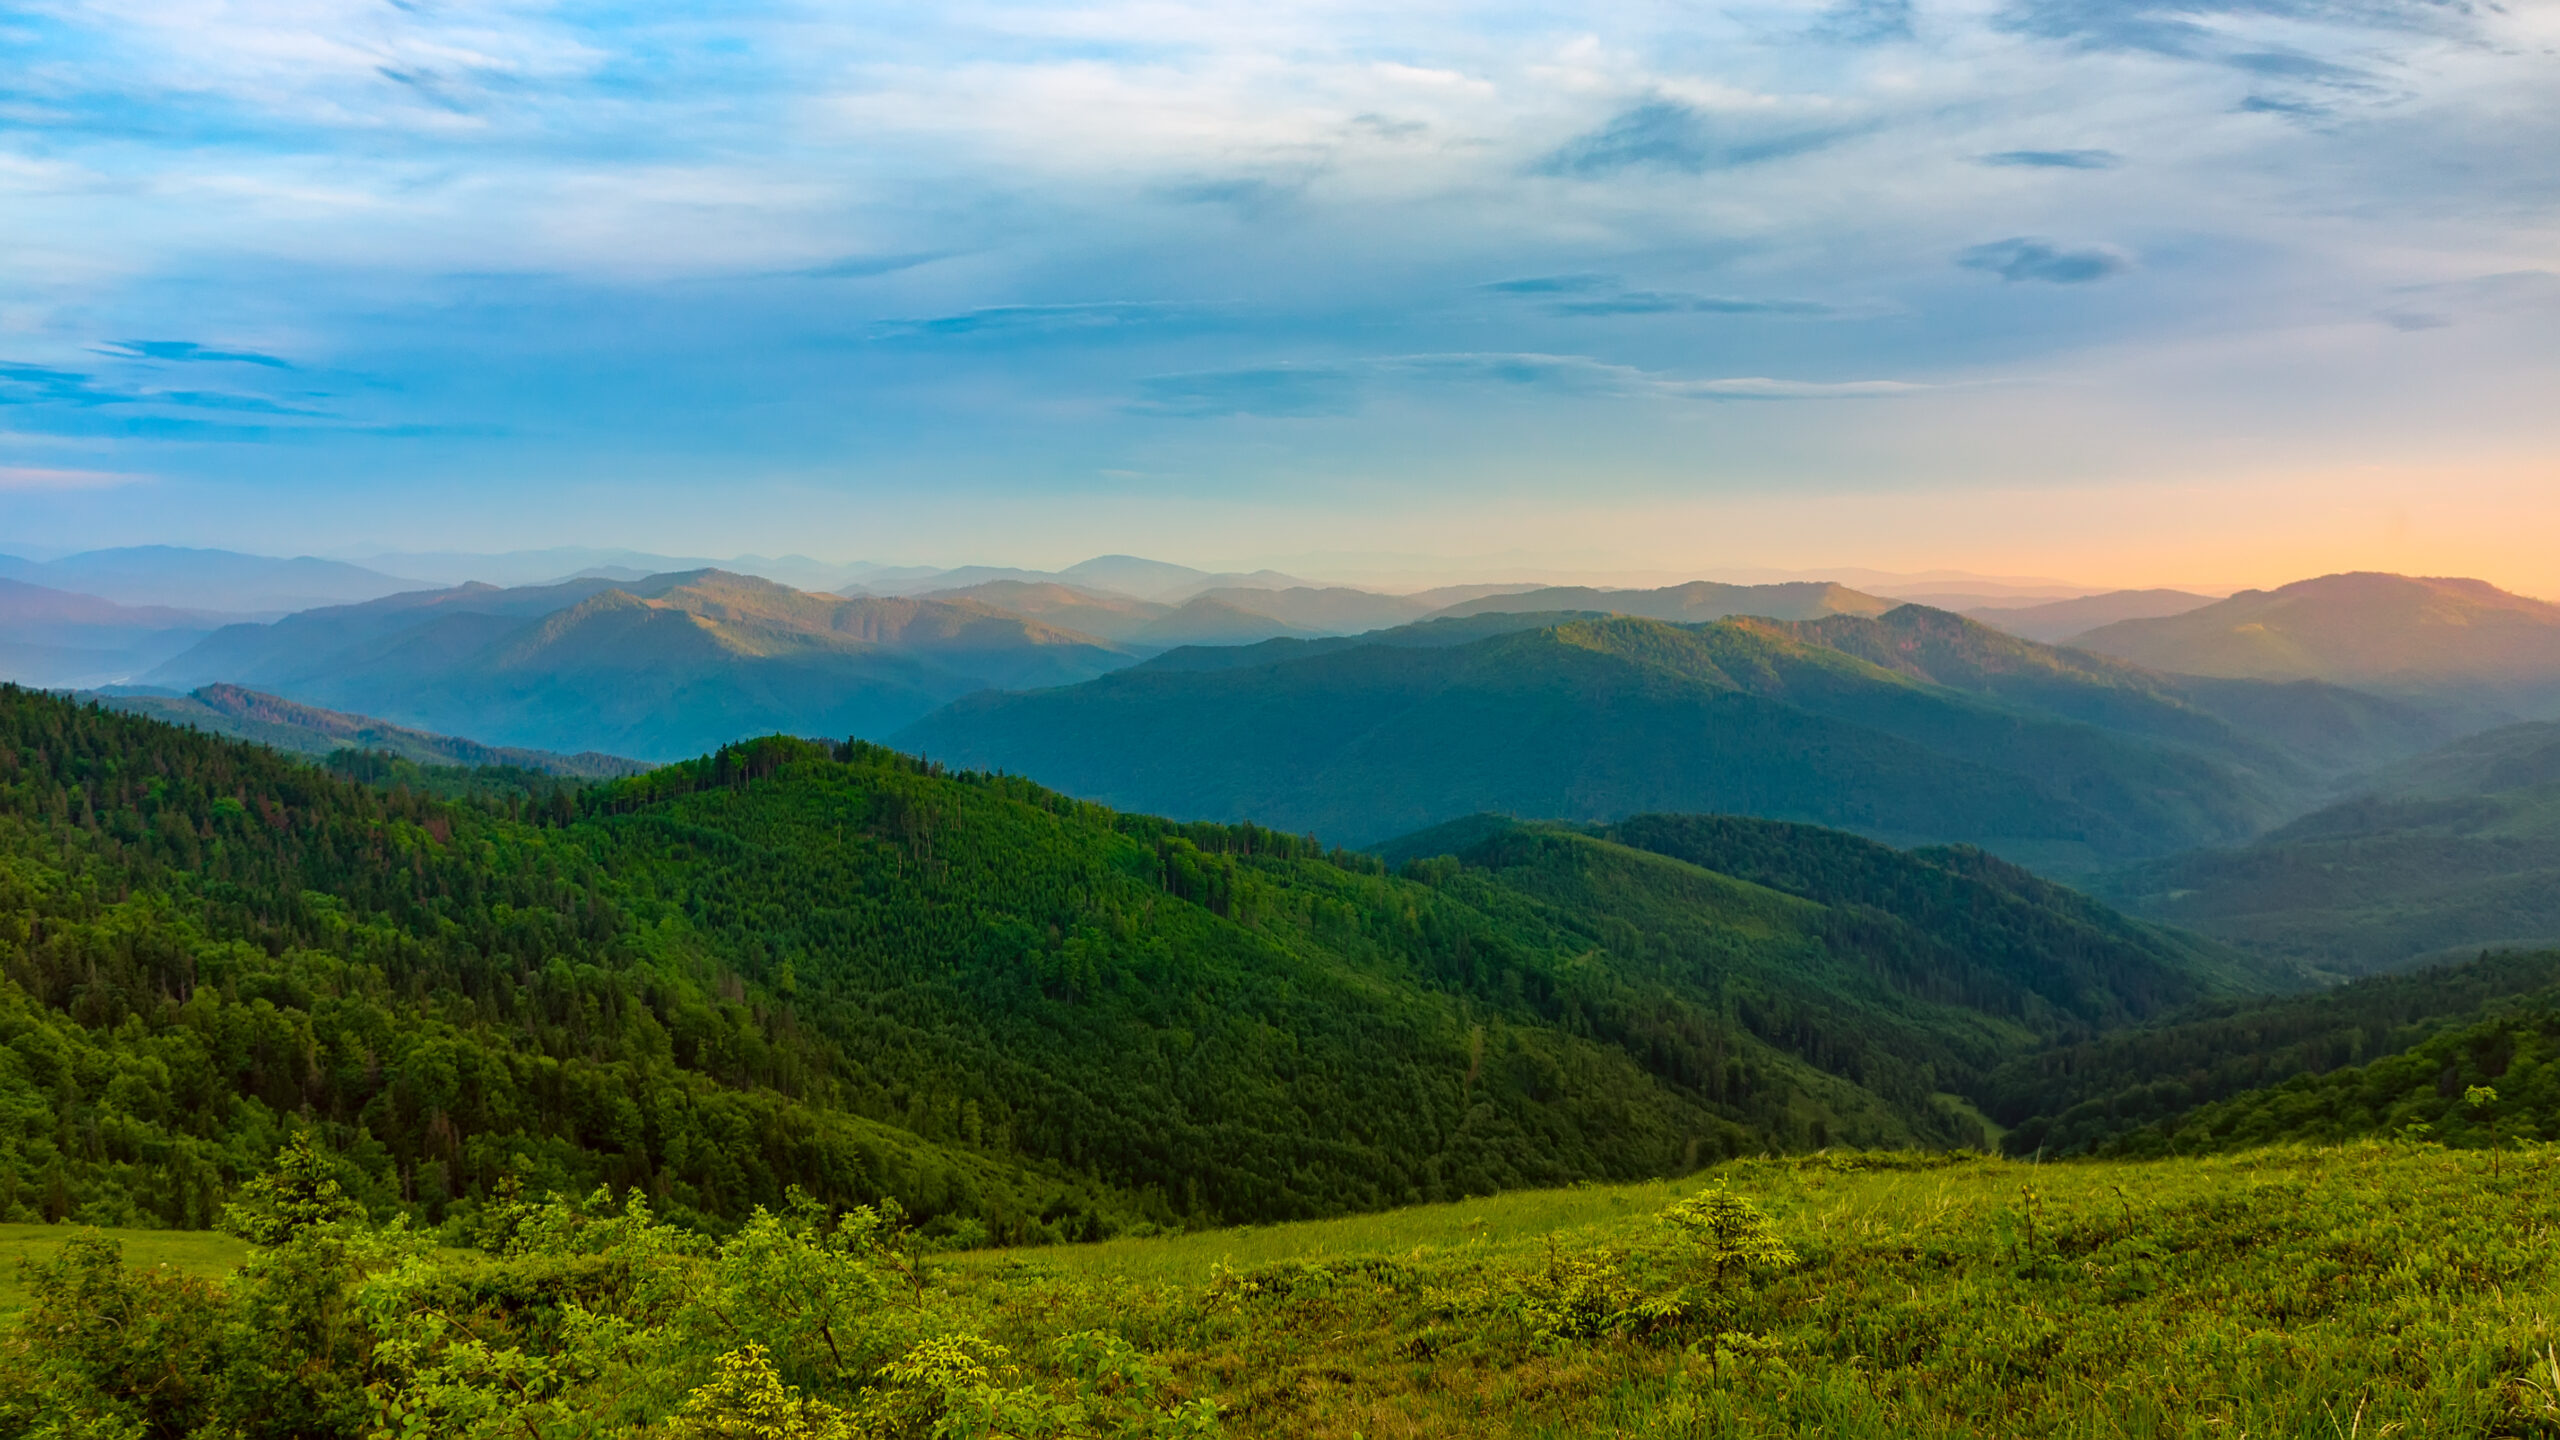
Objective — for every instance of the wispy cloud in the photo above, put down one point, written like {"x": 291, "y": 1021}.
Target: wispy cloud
{"x": 188, "y": 350}
{"x": 26, "y": 478}
{"x": 1038, "y": 319}
{"x": 2025, "y": 257}
{"x": 1278, "y": 391}
{"x": 1667, "y": 135}
{"x": 1297, "y": 392}
{"x": 2056, "y": 159}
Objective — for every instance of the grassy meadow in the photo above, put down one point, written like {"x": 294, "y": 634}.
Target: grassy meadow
{"x": 2340, "y": 1292}
{"x": 205, "y": 1254}
{"x": 2372, "y": 1289}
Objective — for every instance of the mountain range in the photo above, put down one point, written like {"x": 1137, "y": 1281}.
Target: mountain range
{"x": 657, "y": 669}
{"x": 1912, "y": 725}
{"x": 300, "y": 729}
{"x": 206, "y": 580}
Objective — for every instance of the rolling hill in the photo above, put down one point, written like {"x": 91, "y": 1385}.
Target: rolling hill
{"x": 2388, "y": 632}
{"x": 1959, "y": 734}
{"x": 659, "y": 668}
{"x": 308, "y": 730}
{"x": 2444, "y": 855}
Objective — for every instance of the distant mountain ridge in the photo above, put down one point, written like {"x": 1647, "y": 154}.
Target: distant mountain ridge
{"x": 2376, "y": 630}
{"x": 286, "y": 725}
{"x": 672, "y": 665}
{"x": 197, "y": 579}
{"x": 1960, "y": 733}
{"x": 2055, "y": 622}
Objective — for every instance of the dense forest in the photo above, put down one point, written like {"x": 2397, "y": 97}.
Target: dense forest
{"x": 1018, "y": 1015}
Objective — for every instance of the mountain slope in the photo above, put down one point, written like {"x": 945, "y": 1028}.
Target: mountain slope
{"x": 2093, "y": 1094}
{"x": 2019, "y": 748}
{"x": 2449, "y": 853}
{"x": 837, "y": 967}
{"x": 2375, "y": 630}
{"x": 308, "y": 730}
{"x": 660, "y": 668}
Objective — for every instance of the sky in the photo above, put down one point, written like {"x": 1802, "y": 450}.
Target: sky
{"x": 2125, "y": 291}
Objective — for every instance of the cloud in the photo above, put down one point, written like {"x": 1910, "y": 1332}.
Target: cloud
{"x": 1295, "y": 391}
{"x": 25, "y": 478}
{"x": 1280, "y": 391}
{"x": 1036, "y": 319}
{"x": 1551, "y": 285}
{"x": 1865, "y": 22}
{"x": 1666, "y": 135}
{"x": 2057, "y": 159}
{"x": 1672, "y": 302}
{"x": 2178, "y": 28}
{"x": 189, "y": 350}
{"x": 2290, "y": 109}
{"x": 862, "y": 267}
{"x": 2025, "y": 257}
{"x": 1604, "y": 295}
{"x": 1247, "y": 194}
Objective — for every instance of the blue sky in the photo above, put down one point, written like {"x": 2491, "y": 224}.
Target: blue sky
{"x": 2119, "y": 289}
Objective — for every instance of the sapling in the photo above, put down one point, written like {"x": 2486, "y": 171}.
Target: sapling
{"x": 1728, "y": 1231}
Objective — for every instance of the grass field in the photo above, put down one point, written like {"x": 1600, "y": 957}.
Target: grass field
{"x": 2343, "y": 1292}
{"x": 2340, "y": 1292}
{"x": 191, "y": 1252}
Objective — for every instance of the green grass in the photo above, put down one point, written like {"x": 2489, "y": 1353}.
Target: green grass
{"x": 206, "y": 1254}
{"x": 1497, "y": 1222}
{"x": 2339, "y": 1291}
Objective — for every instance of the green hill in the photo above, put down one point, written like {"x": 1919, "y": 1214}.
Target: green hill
{"x": 1916, "y": 726}
{"x": 1016, "y": 1013}
{"x": 2448, "y": 854}
{"x": 2491, "y": 1082}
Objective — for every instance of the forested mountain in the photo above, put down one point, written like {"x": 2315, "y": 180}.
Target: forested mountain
{"x": 2450, "y": 853}
{"x": 845, "y": 969}
{"x": 2090, "y": 1094}
{"x": 1916, "y": 726}
{"x": 309, "y": 730}
{"x": 660, "y": 668}
{"x": 2387, "y": 1055}
{"x": 2392, "y": 632}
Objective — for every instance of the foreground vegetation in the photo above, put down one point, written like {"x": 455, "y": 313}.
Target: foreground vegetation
{"x": 2375, "y": 1289}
